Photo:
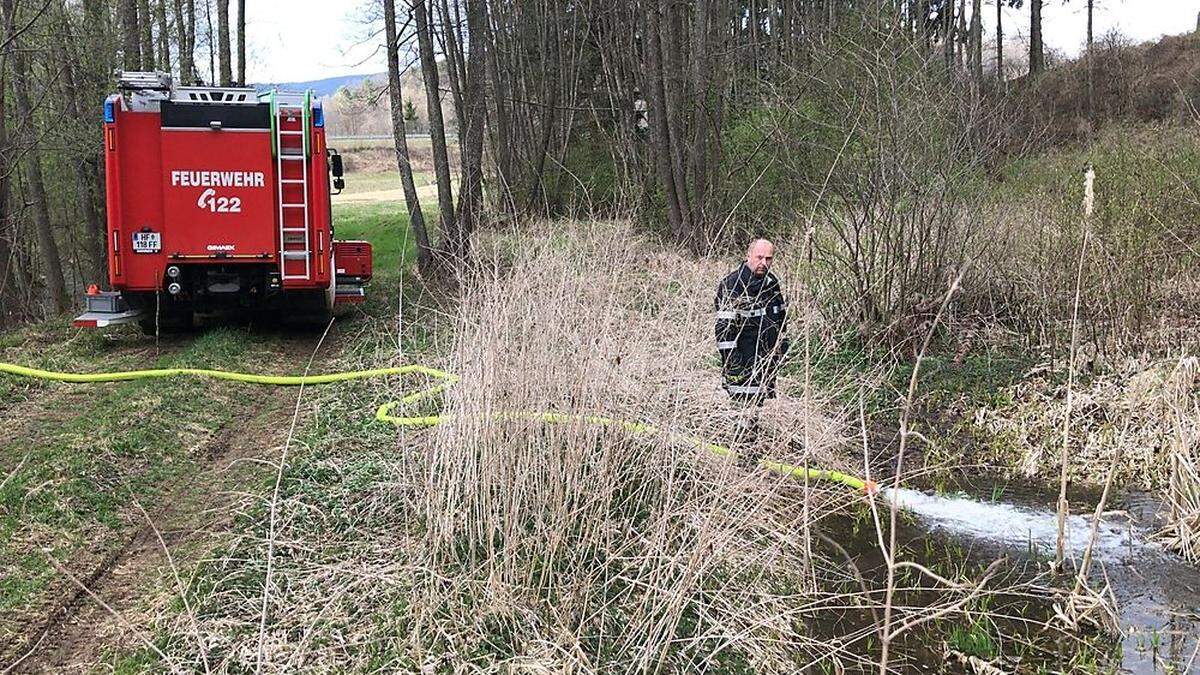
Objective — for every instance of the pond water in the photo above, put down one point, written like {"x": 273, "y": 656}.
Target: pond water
{"x": 1156, "y": 594}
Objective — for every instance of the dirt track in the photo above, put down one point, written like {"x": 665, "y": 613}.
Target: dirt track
{"x": 74, "y": 638}
{"x": 426, "y": 193}
{"x": 75, "y": 632}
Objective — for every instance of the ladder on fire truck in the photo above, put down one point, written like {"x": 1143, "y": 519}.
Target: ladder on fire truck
{"x": 290, "y": 119}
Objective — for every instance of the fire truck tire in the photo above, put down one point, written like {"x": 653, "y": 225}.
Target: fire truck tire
{"x": 306, "y": 308}
{"x": 172, "y": 322}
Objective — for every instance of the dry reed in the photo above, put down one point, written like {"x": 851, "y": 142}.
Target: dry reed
{"x": 579, "y": 535}
{"x": 1182, "y": 531}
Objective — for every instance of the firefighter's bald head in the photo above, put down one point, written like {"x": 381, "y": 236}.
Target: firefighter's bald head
{"x": 759, "y": 256}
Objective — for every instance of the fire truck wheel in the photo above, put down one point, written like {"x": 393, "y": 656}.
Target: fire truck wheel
{"x": 173, "y": 322}
{"x": 306, "y": 308}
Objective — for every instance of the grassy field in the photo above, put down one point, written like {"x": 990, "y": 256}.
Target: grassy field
{"x": 85, "y": 461}
{"x": 343, "y": 461}
{"x": 85, "y": 467}
{"x": 351, "y": 144}
{"x": 378, "y": 181}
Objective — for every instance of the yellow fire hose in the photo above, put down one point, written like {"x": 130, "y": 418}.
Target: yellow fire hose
{"x": 446, "y": 380}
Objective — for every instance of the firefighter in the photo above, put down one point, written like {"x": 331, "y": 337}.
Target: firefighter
{"x": 750, "y": 318}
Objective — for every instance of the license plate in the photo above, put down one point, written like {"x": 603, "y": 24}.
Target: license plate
{"x": 147, "y": 242}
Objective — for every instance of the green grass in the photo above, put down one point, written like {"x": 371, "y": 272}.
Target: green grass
{"x": 983, "y": 378}
{"x": 385, "y": 226}
{"x": 973, "y": 639}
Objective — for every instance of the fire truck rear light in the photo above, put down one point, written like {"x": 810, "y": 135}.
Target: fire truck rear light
{"x": 174, "y": 288}
{"x": 173, "y": 271}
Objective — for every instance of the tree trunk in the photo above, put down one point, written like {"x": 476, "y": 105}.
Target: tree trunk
{"x": 537, "y": 184}
{"x": 1037, "y": 57}
{"x": 193, "y": 75}
{"x": 1090, "y": 75}
{"x": 85, "y": 179}
{"x": 97, "y": 64}
{"x": 961, "y": 38}
{"x": 437, "y": 130}
{"x": 470, "y": 198}
{"x": 90, "y": 43}
{"x": 1000, "y": 41}
{"x": 47, "y": 247}
{"x": 501, "y": 148}
{"x": 241, "y": 42}
{"x": 8, "y": 277}
{"x": 223, "y": 52}
{"x": 131, "y": 46}
{"x": 186, "y": 65}
{"x": 164, "y": 34}
{"x": 977, "y": 40}
{"x": 454, "y": 65}
{"x": 212, "y": 42}
{"x": 947, "y": 20}
{"x": 701, "y": 71}
{"x": 146, "y": 31}
{"x": 546, "y": 74}
{"x": 673, "y": 83}
{"x": 660, "y": 131}
{"x": 399, "y": 135}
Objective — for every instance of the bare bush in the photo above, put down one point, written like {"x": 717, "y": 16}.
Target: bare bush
{"x": 902, "y": 214}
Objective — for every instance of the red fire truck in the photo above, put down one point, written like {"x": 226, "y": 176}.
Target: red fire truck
{"x": 219, "y": 198}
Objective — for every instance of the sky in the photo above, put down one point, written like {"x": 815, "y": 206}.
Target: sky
{"x": 315, "y": 39}
{"x": 312, "y": 39}
{"x": 1064, "y": 22}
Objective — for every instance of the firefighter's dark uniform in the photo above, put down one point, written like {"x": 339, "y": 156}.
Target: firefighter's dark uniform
{"x": 751, "y": 314}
